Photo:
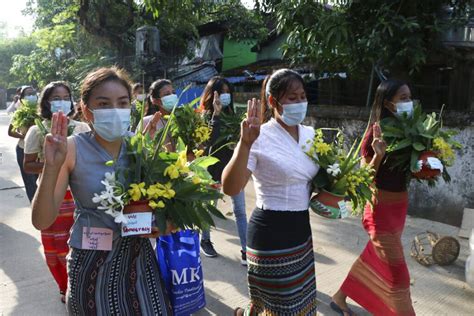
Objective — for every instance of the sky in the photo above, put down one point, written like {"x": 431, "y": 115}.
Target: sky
{"x": 10, "y": 13}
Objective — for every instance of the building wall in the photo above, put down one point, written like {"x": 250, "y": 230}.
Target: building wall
{"x": 237, "y": 54}
{"x": 273, "y": 49}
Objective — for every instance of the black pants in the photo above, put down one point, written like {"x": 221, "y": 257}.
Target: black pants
{"x": 29, "y": 179}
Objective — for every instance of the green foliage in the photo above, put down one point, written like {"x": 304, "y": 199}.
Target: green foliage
{"x": 8, "y": 49}
{"x": 230, "y": 129}
{"x": 355, "y": 35}
{"x": 189, "y": 126}
{"x": 408, "y": 136}
{"x": 25, "y": 116}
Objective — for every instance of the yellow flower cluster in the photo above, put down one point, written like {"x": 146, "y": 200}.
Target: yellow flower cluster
{"x": 201, "y": 134}
{"x": 159, "y": 190}
{"x": 179, "y": 167}
{"x": 446, "y": 153}
{"x": 322, "y": 148}
{"x": 152, "y": 193}
{"x": 137, "y": 191}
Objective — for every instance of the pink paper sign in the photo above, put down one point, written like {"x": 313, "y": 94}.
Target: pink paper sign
{"x": 95, "y": 238}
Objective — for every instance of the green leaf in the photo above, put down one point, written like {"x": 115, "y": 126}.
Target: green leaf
{"x": 214, "y": 211}
{"x": 419, "y": 146}
{"x": 204, "y": 162}
{"x": 401, "y": 144}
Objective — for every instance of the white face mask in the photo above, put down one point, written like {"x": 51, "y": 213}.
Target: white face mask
{"x": 111, "y": 124}
{"x": 61, "y": 105}
{"x": 294, "y": 113}
{"x": 404, "y": 107}
{"x": 141, "y": 97}
{"x": 225, "y": 99}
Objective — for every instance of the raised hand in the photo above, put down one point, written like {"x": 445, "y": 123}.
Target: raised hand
{"x": 150, "y": 128}
{"x": 378, "y": 144}
{"x": 216, "y": 104}
{"x": 250, "y": 127}
{"x": 55, "y": 143}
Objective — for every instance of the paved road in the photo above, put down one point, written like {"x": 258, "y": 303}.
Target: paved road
{"x": 27, "y": 288}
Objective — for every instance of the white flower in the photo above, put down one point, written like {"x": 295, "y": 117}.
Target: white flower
{"x": 334, "y": 169}
{"x": 110, "y": 177}
{"x": 96, "y": 198}
{"x": 120, "y": 218}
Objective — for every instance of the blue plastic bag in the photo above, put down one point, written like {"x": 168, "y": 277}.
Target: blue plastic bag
{"x": 180, "y": 265}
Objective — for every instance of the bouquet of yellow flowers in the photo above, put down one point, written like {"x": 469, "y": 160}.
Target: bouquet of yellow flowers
{"x": 189, "y": 126}
{"x": 418, "y": 145}
{"x": 340, "y": 176}
{"x": 162, "y": 183}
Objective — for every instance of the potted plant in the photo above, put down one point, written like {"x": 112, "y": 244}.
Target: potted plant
{"x": 159, "y": 183}
{"x": 414, "y": 141}
{"x": 340, "y": 176}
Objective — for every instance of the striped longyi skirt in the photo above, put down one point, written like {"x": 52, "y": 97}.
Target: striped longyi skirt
{"x": 280, "y": 258}
{"x": 123, "y": 281}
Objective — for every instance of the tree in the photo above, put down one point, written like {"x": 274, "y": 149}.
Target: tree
{"x": 63, "y": 50}
{"x": 8, "y": 49}
{"x": 354, "y": 35}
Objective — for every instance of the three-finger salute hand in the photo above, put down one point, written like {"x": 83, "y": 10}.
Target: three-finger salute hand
{"x": 55, "y": 144}
{"x": 250, "y": 128}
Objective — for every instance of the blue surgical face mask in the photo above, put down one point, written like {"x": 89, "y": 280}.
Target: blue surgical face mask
{"x": 31, "y": 98}
{"x": 111, "y": 124}
{"x": 169, "y": 101}
{"x": 225, "y": 99}
{"x": 404, "y": 107}
{"x": 61, "y": 105}
{"x": 294, "y": 113}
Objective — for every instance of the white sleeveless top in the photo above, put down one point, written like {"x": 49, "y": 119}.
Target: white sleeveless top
{"x": 281, "y": 170}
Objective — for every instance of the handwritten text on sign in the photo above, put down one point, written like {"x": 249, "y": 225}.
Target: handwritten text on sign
{"x": 95, "y": 238}
{"x": 138, "y": 224}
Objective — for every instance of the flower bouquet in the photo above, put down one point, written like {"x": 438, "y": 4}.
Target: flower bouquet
{"x": 340, "y": 177}
{"x": 159, "y": 183}
{"x": 25, "y": 116}
{"x": 189, "y": 126}
{"x": 419, "y": 146}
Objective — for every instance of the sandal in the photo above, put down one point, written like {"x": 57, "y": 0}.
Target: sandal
{"x": 239, "y": 311}
{"x": 340, "y": 310}
{"x": 62, "y": 297}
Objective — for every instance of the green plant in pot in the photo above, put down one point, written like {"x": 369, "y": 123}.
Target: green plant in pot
{"x": 418, "y": 145}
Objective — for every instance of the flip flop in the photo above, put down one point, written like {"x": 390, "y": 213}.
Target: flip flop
{"x": 339, "y": 310}
{"x": 238, "y": 310}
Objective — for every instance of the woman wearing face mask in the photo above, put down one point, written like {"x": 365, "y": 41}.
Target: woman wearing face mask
{"x": 379, "y": 279}
{"x": 161, "y": 96}
{"x": 217, "y": 99}
{"x": 27, "y": 94}
{"x": 55, "y": 97}
{"x": 280, "y": 258}
{"x": 108, "y": 274}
